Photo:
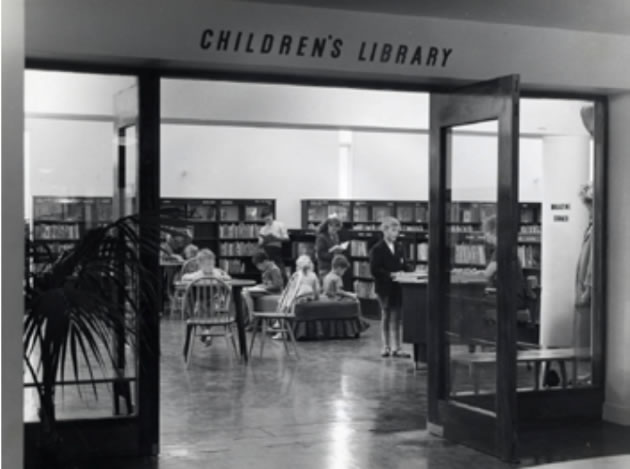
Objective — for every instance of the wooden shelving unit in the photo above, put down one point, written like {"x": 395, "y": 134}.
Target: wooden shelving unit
{"x": 59, "y": 222}
{"x": 229, "y": 227}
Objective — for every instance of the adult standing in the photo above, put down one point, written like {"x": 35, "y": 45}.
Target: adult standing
{"x": 327, "y": 244}
{"x": 270, "y": 238}
{"x": 584, "y": 285}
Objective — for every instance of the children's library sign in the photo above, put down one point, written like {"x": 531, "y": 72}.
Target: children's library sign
{"x": 228, "y": 41}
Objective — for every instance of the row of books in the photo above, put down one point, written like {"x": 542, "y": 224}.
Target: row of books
{"x": 232, "y": 266}
{"x": 474, "y": 254}
{"x": 241, "y": 230}
{"x": 54, "y": 231}
{"x": 303, "y": 248}
{"x": 531, "y": 229}
{"x": 361, "y": 269}
{"x": 238, "y": 249}
{"x": 470, "y": 212}
{"x": 70, "y": 209}
{"x": 529, "y": 256}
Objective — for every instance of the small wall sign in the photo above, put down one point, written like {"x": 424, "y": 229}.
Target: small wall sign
{"x": 560, "y": 206}
{"x": 561, "y": 218}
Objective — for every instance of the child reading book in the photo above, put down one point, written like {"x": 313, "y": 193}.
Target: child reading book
{"x": 333, "y": 281}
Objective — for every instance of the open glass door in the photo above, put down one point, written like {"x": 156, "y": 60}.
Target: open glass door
{"x": 473, "y": 266}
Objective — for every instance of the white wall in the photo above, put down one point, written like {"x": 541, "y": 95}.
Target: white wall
{"x": 390, "y": 166}
{"x": 12, "y": 32}
{"x": 232, "y": 162}
{"x": 70, "y": 158}
{"x": 617, "y": 405}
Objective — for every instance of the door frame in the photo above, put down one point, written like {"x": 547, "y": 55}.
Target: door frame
{"x": 149, "y": 77}
{"x": 491, "y": 100}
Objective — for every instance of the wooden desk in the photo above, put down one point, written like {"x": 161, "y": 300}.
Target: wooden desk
{"x": 237, "y": 289}
{"x": 414, "y": 317}
{"x": 415, "y": 309}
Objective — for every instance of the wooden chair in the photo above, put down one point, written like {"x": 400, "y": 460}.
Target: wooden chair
{"x": 284, "y": 315}
{"x": 207, "y": 308}
{"x": 177, "y": 302}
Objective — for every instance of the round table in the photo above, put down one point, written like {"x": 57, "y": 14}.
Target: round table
{"x": 237, "y": 285}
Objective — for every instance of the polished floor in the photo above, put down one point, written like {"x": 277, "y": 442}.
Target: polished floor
{"x": 341, "y": 406}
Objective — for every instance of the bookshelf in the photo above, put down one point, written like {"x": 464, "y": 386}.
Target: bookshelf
{"x": 59, "y": 222}
{"x": 361, "y": 220}
{"x": 466, "y": 239}
{"x": 229, "y": 227}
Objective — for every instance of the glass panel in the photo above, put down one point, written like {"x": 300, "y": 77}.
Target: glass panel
{"x": 471, "y": 241}
{"x": 69, "y": 190}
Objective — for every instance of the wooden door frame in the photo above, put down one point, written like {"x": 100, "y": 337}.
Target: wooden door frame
{"x": 493, "y": 100}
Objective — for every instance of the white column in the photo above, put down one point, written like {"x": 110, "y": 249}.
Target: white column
{"x": 566, "y": 164}
{"x": 617, "y": 404}
{"x": 12, "y": 137}
{"x": 345, "y": 164}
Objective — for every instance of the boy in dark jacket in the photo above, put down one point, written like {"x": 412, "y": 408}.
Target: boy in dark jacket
{"x": 387, "y": 259}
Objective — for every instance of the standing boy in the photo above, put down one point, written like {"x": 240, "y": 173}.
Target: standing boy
{"x": 387, "y": 259}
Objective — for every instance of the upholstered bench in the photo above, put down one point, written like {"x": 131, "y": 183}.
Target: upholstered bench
{"x": 321, "y": 319}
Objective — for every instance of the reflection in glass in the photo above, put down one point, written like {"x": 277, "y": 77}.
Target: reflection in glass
{"x": 471, "y": 241}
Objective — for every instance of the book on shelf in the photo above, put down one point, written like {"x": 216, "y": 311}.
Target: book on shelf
{"x": 57, "y": 231}
{"x": 361, "y": 269}
{"x": 230, "y": 213}
{"x": 238, "y": 248}
{"x": 201, "y": 211}
{"x": 422, "y": 213}
{"x": 232, "y": 266}
{"x": 340, "y": 211}
{"x": 381, "y": 212}
{"x": 359, "y": 248}
{"x": 238, "y": 230}
{"x": 317, "y": 213}
{"x": 422, "y": 252}
{"x": 474, "y": 254}
{"x": 529, "y": 256}
{"x": 406, "y": 213}
{"x": 254, "y": 212}
{"x": 360, "y": 213}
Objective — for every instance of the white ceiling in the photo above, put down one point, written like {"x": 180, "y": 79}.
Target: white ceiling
{"x": 605, "y": 16}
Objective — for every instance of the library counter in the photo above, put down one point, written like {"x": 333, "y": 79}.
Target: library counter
{"x": 414, "y": 316}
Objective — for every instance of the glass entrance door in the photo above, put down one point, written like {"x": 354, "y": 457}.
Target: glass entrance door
{"x": 473, "y": 266}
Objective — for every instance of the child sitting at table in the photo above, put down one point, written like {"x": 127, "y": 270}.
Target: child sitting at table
{"x": 333, "y": 281}
{"x": 272, "y": 281}
{"x": 205, "y": 266}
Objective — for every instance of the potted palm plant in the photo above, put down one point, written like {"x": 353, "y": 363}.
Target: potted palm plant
{"x": 77, "y": 307}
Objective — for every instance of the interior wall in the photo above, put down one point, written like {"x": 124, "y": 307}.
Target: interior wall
{"x": 232, "y": 162}
{"x": 70, "y": 157}
{"x": 12, "y": 32}
{"x": 617, "y": 405}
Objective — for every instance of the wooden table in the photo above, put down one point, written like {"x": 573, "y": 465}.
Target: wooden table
{"x": 237, "y": 285}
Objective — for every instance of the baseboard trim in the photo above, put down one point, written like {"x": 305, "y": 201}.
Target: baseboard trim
{"x": 617, "y": 414}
